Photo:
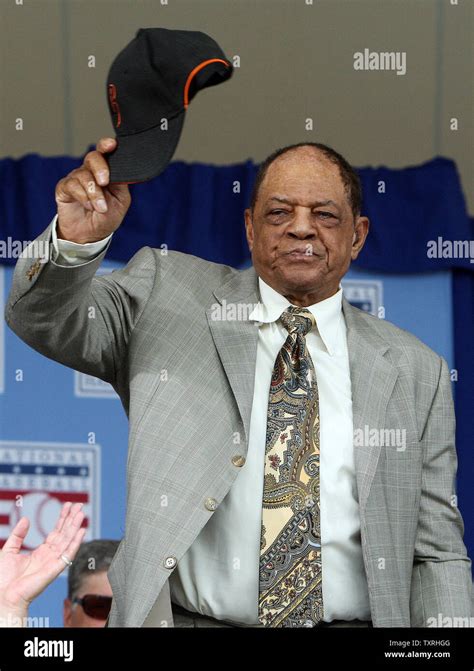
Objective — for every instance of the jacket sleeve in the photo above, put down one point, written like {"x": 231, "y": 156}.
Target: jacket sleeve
{"x": 71, "y": 316}
{"x": 441, "y": 585}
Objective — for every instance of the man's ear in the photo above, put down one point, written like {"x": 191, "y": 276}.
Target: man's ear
{"x": 361, "y": 229}
{"x": 249, "y": 227}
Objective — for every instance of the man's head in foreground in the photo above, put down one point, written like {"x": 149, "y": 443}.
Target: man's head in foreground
{"x": 303, "y": 225}
{"x": 89, "y": 592}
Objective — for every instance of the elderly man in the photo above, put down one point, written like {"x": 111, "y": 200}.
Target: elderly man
{"x": 250, "y": 503}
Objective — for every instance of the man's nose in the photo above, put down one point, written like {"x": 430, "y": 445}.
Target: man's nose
{"x": 301, "y": 225}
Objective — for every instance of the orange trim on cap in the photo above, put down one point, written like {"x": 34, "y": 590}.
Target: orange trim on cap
{"x": 194, "y": 72}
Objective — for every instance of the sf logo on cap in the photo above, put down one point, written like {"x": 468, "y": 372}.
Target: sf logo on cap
{"x": 114, "y": 104}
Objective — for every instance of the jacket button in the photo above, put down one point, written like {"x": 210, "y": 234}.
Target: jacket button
{"x": 238, "y": 460}
{"x": 211, "y": 504}
{"x": 170, "y": 562}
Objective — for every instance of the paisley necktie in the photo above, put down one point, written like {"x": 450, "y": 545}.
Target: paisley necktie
{"x": 290, "y": 587}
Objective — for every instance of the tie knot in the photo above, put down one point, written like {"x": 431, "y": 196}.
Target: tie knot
{"x": 297, "y": 320}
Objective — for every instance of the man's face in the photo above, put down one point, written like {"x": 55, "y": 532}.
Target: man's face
{"x": 74, "y": 615}
{"x": 302, "y": 235}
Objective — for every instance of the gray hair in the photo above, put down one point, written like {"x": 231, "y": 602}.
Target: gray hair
{"x": 92, "y": 557}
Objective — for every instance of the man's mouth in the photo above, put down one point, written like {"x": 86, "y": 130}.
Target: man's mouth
{"x": 301, "y": 255}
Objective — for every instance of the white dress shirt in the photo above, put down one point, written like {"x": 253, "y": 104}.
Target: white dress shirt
{"x": 218, "y": 575}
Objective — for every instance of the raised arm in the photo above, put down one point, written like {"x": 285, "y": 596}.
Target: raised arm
{"x": 63, "y": 310}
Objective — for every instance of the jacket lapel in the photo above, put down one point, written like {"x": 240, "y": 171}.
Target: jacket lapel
{"x": 373, "y": 378}
{"x": 236, "y": 336}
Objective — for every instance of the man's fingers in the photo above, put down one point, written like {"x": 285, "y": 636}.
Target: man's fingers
{"x": 74, "y": 519}
{"x": 70, "y": 550}
{"x": 70, "y": 523}
{"x": 64, "y": 513}
{"x": 84, "y": 184}
{"x": 80, "y": 185}
{"x": 73, "y": 192}
{"x": 94, "y": 192}
{"x": 17, "y": 536}
{"x": 106, "y": 144}
{"x": 97, "y": 165}
{"x": 68, "y": 533}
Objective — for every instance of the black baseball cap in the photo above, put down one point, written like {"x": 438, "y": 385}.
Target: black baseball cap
{"x": 149, "y": 87}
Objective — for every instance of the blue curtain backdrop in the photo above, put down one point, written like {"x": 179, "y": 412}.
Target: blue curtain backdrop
{"x": 198, "y": 209}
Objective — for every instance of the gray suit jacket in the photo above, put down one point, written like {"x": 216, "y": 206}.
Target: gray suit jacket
{"x": 155, "y": 315}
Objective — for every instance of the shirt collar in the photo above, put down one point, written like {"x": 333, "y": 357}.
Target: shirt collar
{"x": 327, "y": 313}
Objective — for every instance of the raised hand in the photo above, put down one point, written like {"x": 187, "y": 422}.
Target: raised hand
{"x": 24, "y": 576}
{"x": 89, "y": 208}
